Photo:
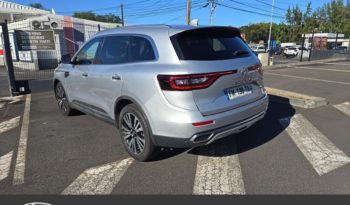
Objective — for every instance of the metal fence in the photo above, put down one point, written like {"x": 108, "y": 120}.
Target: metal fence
{"x": 38, "y": 46}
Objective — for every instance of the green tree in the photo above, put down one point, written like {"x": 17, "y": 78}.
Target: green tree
{"x": 37, "y": 6}
{"x": 89, "y": 15}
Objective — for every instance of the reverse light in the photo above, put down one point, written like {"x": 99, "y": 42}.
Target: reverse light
{"x": 191, "y": 81}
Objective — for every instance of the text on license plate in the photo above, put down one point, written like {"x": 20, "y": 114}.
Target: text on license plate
{"x": 239, "y": 91}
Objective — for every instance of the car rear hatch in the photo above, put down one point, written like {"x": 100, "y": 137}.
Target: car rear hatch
{"x": 219, "y": 52}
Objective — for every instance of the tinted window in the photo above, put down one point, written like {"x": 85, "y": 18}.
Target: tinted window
{"x": 210, "y": 45}
{"x": 87, "y": 54}
{"x": 115, "y": 50}
{"x": 141, "y": 49}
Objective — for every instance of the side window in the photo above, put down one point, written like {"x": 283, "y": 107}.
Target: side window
{"x": 141, "y": 49}
{"x": 87, "y": 54}
{"x": 115, "y": 50}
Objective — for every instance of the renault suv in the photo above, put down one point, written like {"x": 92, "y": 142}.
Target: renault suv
{"x": 165, "y": 86}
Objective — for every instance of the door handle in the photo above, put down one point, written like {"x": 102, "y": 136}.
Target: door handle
{"x": 84, "y": 75}
{"x": 116, "y": 77}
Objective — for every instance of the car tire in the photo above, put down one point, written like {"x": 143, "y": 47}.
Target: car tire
{"x": 62, "y": 100}
{"x": 135, "y": 133}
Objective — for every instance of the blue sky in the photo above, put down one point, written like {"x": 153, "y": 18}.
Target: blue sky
{"x": 228, "y": 12}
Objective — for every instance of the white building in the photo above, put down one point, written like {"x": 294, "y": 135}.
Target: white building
{"x": 62, "y": 35}
{"x": 331, "y": 38}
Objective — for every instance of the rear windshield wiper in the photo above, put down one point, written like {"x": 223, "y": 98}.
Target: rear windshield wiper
{"x": 240, "y": 52}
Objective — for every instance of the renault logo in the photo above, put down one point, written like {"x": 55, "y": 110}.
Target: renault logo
{"x": 244, "y": 72}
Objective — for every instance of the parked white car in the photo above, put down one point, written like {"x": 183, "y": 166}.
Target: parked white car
{"x": 294, "y": 51}
{"x": 259, "y": 49}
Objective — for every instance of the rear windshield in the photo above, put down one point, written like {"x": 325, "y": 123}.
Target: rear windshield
{"x": 210, "y": 44}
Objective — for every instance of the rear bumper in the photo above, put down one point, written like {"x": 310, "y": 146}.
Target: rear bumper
{"x": 207, "y": 136}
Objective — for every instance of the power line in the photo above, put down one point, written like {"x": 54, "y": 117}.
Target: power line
{"x": 249, "y": 11}
{"x": 250, "y": 6}
{"x": 157, "y": 11}
{"x": 276, "y": 7}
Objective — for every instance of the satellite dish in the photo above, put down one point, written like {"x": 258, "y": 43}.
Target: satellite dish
{"x": 36, "y": 24}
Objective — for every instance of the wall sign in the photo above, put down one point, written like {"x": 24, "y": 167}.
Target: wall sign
{"x": 34, "y": 40}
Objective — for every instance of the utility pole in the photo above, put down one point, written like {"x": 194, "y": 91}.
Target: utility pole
{"x": 269, "y": 41}
{"x": 212, "y": 4}
{"x": 188, "y": 12}
{"x": 122, "y": 13}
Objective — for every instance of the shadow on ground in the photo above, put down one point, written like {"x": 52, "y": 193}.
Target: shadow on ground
{"x": 262, "y": 132}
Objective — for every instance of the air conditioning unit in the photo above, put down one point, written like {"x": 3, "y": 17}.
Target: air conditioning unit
{"x": 44, "y": 23}
{"x": 51, "y": 25}
{"x": 35, "y": 25}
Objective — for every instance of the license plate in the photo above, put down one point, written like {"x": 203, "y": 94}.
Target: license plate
{"x": 233, "y": 93}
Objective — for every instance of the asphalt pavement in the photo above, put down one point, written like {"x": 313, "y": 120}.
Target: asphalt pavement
{"x": 290, "y": 151}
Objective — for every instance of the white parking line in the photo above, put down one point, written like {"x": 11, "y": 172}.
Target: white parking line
{"x": 5, "y": 164}
{"x": 18, "y": 177}
{"x": 323, "y": 69}
{"x": 344, "y": 107}
{"x": 9, "y": 124}
{"x": 336, "y": 64}
{"x": 99, "y": 180}
{"x": 218, "y": 175}
{"x": 307, "y": 78}
{"x": 2, "y": 104}
{"x": 322, "y": 154}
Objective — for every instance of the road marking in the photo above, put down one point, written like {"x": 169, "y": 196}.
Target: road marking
{"x": 99, "y": 180}
{"x": 337, "y": 64}
{"x": 18, "y": 177}
{"x": 323, "y": 69}
{"x": 9, "y": 124}
{"x": 323, "y": 155}
{"x": 218, "y": 174}
{"x": 306, "y": 78}
{"x": 5, "y": 164}
{"x": 344, "y": 107}
{"x": 2, "y": 104}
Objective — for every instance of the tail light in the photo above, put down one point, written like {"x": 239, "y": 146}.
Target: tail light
{"x": 190, "y": 82}
{"x": 256, "y": 67}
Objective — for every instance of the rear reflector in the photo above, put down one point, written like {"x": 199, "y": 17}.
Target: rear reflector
{"x": 198, "y": 124}
{"x": 190, "y": 82}
{"x": 1, "y": 52}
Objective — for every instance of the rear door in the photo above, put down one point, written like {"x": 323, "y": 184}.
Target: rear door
{"x": 209, "y": 50}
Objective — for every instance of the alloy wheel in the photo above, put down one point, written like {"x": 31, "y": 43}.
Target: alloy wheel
{"x": 132, "y": 133}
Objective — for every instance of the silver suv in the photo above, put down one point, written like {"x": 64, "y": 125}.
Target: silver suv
{"x": 165, "y": 86}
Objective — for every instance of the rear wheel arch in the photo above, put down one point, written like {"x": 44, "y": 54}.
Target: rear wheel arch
{"x": 55, "y": 83}
{"x": 123, "y": 101}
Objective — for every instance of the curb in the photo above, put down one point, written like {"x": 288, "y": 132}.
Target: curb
{"x": 295, "y": 99}
{"x": 282, "y": 66}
